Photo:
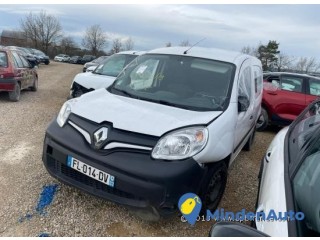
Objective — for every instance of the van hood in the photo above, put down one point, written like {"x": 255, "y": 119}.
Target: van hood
{"x": 93, "y": 81}
{"x": 136, "y": 115}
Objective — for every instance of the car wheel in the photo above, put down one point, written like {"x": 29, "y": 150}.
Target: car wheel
{"x": 215, "y": 186}
{"x": 248, "y": 145}
{"x": 34, "y": 88}
{"x": 46, "y": 63}
{"x": 263, "y": 120}
{"x": 14, "y": 96}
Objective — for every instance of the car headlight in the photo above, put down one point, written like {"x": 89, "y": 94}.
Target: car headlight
{"x": 64, "y": 113}
{"x": 181, "y": 144}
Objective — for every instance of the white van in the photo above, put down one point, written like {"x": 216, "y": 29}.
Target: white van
{"x": 103, "y": 75}
{"x": 171, "y": 123}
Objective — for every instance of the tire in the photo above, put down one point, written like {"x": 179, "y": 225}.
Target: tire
{"x": 34, "y": 88}
{"x": 14, "y": 96}
{"x": 215, "y": 185}
{"x": 248, "y": 145}
{"x": 263, "y": 120}
{"x": 46, "y": 63}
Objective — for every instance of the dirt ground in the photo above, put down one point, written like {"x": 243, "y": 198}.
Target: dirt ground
{"x": 72, "y": 212}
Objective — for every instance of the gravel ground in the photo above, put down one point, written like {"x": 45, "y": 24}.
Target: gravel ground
{"x": 72, "y": 212}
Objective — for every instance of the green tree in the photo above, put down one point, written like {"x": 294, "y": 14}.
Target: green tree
{"x": 268, "y": 54}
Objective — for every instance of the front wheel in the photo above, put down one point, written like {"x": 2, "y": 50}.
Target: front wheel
{"x": 14, "y": 96}
{"x": 215, "y": 186}
{"x": 263, "y": 120}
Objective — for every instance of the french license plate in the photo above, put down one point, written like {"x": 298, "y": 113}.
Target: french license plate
{"x": 90, "y": 171}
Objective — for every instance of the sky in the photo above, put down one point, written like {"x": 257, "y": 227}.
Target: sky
{"x": 230, "y": 26}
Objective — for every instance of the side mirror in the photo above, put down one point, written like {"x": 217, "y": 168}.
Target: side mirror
{"x": 91, "y": 69}
{"x": 231, "y": 229}
{"x": 243, "y": 103}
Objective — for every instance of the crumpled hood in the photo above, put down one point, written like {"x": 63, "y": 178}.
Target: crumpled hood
{"x": 137, "y": 115}
{"x": 93, "y": 81}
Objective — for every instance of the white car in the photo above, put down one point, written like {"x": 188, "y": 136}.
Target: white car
{"x": 171, "y": 123}
{"x": 103, "y": 75}
{"x": 290, "y": 178}
{"x": 61, "y": 58}
{"x": 289, "y": 183}
{"x": 94, "y": 63}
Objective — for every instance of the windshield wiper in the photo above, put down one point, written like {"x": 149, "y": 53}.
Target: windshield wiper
{"x": 167, "y": 103}
{"x": 96, "y": 73}
{"x": 164, "y": 102}
{"x": 125, "y": 93}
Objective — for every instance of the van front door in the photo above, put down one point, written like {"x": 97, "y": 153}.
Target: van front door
{"x": 246, "y": 118}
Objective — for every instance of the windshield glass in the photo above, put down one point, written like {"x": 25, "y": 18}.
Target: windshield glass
{"x": 180, "y": 81}
{"x": 99, "y": 59}
{"x": 113, "y": 65}
{"x": 306, "y": 189}
{"x": 302, "y": 131}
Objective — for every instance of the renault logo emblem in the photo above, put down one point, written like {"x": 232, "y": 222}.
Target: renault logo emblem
{"x": 100, "y": 136}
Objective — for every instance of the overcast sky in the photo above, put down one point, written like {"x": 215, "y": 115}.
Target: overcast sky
{"x": 296, "y": 27}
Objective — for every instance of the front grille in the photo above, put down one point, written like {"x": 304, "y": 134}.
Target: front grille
{"x": 93, "y": 186}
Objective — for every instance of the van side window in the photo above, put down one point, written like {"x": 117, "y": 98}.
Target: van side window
{"x": 245, "y": 83}
{"x": 258, "y": 79}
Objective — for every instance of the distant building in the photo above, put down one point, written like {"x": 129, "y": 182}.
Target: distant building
{"x": 13, "y": 38}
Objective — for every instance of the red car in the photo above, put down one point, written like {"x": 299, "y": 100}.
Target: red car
{"x": 16, "y": 74}
{"x": 285, "y": 96}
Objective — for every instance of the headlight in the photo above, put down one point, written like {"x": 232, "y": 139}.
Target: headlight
{"x": 64, "y": 113}
{"x": 181, "y": 144}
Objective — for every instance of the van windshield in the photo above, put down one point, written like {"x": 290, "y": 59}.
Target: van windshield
{"x": 180, "y": 81}
{"x": 113, "y": 65}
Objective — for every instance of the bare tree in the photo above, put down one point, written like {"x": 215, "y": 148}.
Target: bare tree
{"x": 301, "y": 64}
{"x": 310, "y": 65}
{"x": 317, "y": 67}
{"x": 116, "y": 46}
{"x": 94, "y": 39}
{"x": 67, "y": 44}
{"x": 168, "y": 44}
{"x": 307, "y": 65}
{"x": 284, "y": 62}
{"x": 128, "y": 44}
{"x": 185, "y": 43}
{"x": 43, "y": 29}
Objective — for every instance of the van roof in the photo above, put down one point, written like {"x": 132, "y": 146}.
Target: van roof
{"x": 132, "y": 52}
{"x": 209, "y": 53}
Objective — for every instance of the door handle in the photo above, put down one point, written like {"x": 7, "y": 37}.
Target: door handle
{"x": 251, "y": 117}
{"x": 272, "y": 93}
